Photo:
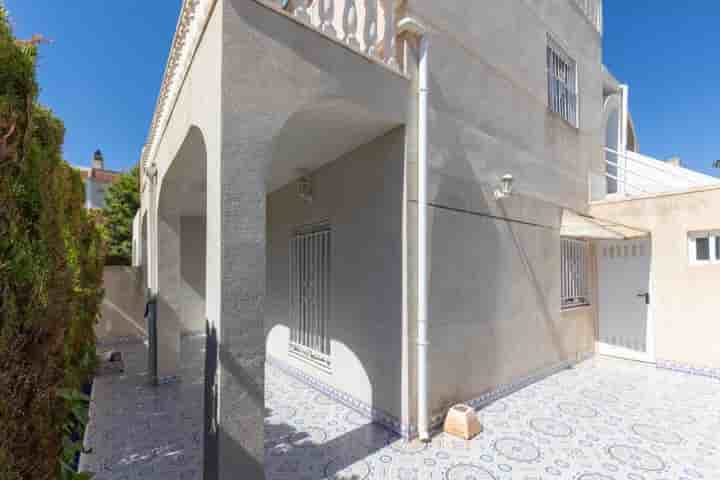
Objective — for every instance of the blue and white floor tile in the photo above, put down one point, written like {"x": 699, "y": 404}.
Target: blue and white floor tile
{"x": 603, "y": 420}
{"x": 606, "y": 419}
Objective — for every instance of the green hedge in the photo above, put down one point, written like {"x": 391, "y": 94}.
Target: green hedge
{"x": 51, "y": 260}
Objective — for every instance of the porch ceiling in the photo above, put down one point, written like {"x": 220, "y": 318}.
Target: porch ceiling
{"x": 320, "y": 134}
{"x": 580, "y": 225}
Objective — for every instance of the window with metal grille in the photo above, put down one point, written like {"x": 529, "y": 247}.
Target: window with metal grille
{"x": 310, "y": 294}
{"x": 574, "y": 281}
{"x": 562, "y": 83}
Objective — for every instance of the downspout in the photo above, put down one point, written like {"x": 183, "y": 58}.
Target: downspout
{"x": 412, "y": 25}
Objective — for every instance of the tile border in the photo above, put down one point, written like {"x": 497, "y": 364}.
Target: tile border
{"x": 373, "y": 414}
{"x": 410, "y": 431}
{"x": 509, "y": 388}
{"x": 690, "y": 369}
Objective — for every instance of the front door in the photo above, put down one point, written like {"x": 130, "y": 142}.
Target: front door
{"x": 625, "y": 299}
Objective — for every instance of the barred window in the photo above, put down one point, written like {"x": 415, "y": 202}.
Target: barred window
{"x": 574, "y": 281}
{"x": 310, "y": 294}
{"x": 562, "y": 83}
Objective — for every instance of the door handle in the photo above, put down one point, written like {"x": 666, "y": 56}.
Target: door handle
{"x": 645, "y": 295}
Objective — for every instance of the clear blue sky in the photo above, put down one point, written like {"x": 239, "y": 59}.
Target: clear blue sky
{"x": 102, "y": 72}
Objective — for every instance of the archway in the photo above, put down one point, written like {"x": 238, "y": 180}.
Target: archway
{"x": 181, "y": 251}
{"x": 612, "y": 144}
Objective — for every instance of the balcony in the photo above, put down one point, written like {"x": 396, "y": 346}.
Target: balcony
{"x": 366, "y": 26}
{"x": 593, "y": 12}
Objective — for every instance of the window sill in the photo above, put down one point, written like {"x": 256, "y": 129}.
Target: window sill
{"x": 564, "y": 120}
{"x": 569, "y": 308}
{"x": 317, "y": 360}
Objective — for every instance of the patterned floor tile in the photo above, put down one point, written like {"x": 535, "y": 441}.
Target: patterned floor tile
{"x": 603, "y": 420}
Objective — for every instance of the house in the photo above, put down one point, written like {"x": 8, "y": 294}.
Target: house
{"x": 97, "y": 180}
{"x": 405, "y": 203}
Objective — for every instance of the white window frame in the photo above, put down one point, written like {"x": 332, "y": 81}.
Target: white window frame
{"x": 713, "y": 237}
{"x": 562, "y": 78}
{"x": 310, "y": 256}
{"x": 574, "y": 271}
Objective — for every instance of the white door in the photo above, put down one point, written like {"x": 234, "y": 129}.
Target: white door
{"x": 625, "y": 299}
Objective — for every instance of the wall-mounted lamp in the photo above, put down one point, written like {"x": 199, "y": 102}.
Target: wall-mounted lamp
{"x": 305, "y": 188}
{"x": 506, "y": 187}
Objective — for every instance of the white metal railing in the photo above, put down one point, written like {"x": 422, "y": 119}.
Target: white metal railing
{"x": 367, "y": 26}
{"x": 574, "y": 284}
{"x": 631, "y": 174}
{"x": 593, "y": 10}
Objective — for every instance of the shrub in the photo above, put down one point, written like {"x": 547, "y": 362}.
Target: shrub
{"x": 121, "y": 203}
{"x": 51, "y": 260}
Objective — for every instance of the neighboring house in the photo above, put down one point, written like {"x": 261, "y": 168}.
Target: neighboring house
{"x": 657, "y": 292}
{"x": 325, "y": 187}
{"x": 97, "y": 180}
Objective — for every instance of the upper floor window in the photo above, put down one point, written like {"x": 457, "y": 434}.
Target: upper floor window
{"x": 562, "y": 83}
{"x": 704, "y": 247}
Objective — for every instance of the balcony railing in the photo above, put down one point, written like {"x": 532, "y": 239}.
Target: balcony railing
{"x": 367, "y": 26}
{"x": 593, "y": 11}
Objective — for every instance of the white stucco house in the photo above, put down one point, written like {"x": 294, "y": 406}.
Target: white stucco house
{"x": 405, "y": 203}
{"x": 97, "y": 179}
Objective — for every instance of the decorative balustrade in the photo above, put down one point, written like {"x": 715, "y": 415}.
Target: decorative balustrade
{"x": 593, "y": 11}
{"x": 367, "y": 26}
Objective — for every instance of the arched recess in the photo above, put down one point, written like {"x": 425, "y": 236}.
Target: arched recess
{"x": 354, "y": 159}
{"x": 181, "y": 250}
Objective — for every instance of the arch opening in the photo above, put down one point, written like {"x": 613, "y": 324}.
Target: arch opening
{"x": 181, "y": 251}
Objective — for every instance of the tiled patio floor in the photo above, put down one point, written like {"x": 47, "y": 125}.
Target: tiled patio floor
{"x": 606, "y": 419}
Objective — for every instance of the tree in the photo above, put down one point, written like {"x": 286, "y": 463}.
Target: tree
{"x": 121, "y": 203}
{"x": 51, "y": 261}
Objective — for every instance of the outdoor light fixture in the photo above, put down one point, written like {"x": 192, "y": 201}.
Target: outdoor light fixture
{"x": 506, "y": 187}
{"x": 305, "y": 188}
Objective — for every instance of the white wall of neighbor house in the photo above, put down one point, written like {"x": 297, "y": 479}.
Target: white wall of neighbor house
{"x": 495, "y": 266}
{"x": 360, "y": 196}
{"x": 684, "y": 298}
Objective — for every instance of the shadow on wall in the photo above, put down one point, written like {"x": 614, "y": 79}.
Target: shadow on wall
{"x": 488, "y": 301}
{"x": 123, "y": 307}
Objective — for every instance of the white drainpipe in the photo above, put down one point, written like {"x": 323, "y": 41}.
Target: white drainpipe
{"x": 414, "y": 26}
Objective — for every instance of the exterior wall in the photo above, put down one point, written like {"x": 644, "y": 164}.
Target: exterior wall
{"x": 197, "y": 106}
{"x": 122, "y": 315}
{"x": 495, "y": 266}
{"x": 361, "y": 196}
{"x": 684, "y": 300}
{"x": 192, "y": 274}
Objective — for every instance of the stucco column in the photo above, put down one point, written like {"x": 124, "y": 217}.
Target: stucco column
{"x": 168, "y": 294}
{"x": 241, "y": 342}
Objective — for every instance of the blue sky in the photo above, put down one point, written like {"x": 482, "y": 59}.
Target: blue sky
{"x": 103, "y": 70}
